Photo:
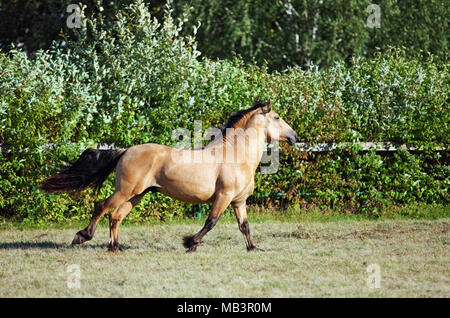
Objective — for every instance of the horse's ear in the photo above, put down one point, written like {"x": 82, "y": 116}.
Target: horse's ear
{"x": 266, "y": 108}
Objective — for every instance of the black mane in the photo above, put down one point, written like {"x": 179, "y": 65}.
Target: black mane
{"x": 236, "y": 116}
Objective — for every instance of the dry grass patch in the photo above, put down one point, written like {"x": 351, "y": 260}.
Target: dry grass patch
{"x": 312, "y": 259}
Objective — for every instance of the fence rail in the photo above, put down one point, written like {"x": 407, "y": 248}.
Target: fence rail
{"x": 385, "y": 146}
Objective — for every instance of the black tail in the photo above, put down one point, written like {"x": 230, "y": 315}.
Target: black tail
{"x": 91, "y": 169}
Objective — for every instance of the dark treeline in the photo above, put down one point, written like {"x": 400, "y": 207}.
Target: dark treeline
{"x": 278, "y": 33}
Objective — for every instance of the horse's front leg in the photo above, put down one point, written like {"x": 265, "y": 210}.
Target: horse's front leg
{"x": 240, "y": 210}
{"x": 219, "y": 206}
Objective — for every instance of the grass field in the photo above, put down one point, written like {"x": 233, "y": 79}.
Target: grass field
{"x": 301, "y": 259}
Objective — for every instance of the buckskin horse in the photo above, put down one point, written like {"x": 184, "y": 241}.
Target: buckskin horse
{"x": 217, "y": 178}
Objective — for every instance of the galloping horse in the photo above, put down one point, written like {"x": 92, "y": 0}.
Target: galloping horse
{"x": 218, "y": 177}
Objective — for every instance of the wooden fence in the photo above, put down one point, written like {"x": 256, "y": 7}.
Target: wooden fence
{"x": 385, "y": 146}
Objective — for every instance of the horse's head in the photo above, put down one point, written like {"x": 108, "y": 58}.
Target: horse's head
{"x": 276, "y": 127}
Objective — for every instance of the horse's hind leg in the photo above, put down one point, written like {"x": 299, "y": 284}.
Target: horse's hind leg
{"x": 88, "y": 233}
{"x": 219, "y": 206}
{"x": 116, "y": 218}
{"x": 240, "y": 210}
{"x": 100, "y": 209}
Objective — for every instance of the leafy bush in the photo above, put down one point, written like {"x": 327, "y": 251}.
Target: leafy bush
{"x": 128, "y": 80}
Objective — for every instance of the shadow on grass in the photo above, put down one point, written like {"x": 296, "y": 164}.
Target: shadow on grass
{"x": 49, "y": 245}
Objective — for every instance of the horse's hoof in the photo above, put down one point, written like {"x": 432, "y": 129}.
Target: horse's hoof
{"x": 189, "y": 242}
{"x": 192, "y": 249}
{"x": 254, "y": 249}
{"x": 114, "y": 249}
{"x": 78, "y": 239}
{"x": 81, "y": 237}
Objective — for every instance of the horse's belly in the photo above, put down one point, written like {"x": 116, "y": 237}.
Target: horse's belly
{"x": 185, "y": 196}
{"x": 192, "y": 183}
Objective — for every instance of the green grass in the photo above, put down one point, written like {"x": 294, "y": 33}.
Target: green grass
{"x": 256, "y": 214}
{"x": 302, "y": 258}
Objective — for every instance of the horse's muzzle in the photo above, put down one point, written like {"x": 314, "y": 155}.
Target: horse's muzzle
{"x": 291, "y": 138}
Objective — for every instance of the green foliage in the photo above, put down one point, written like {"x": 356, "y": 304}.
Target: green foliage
{"x": 129, "y": 79}
{"x": 298, "y": 32}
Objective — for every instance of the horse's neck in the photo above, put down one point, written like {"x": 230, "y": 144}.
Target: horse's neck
{"x": 246, "y": 143}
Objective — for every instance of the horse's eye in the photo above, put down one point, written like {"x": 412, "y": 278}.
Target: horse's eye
{"x": 277, "y": 117}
